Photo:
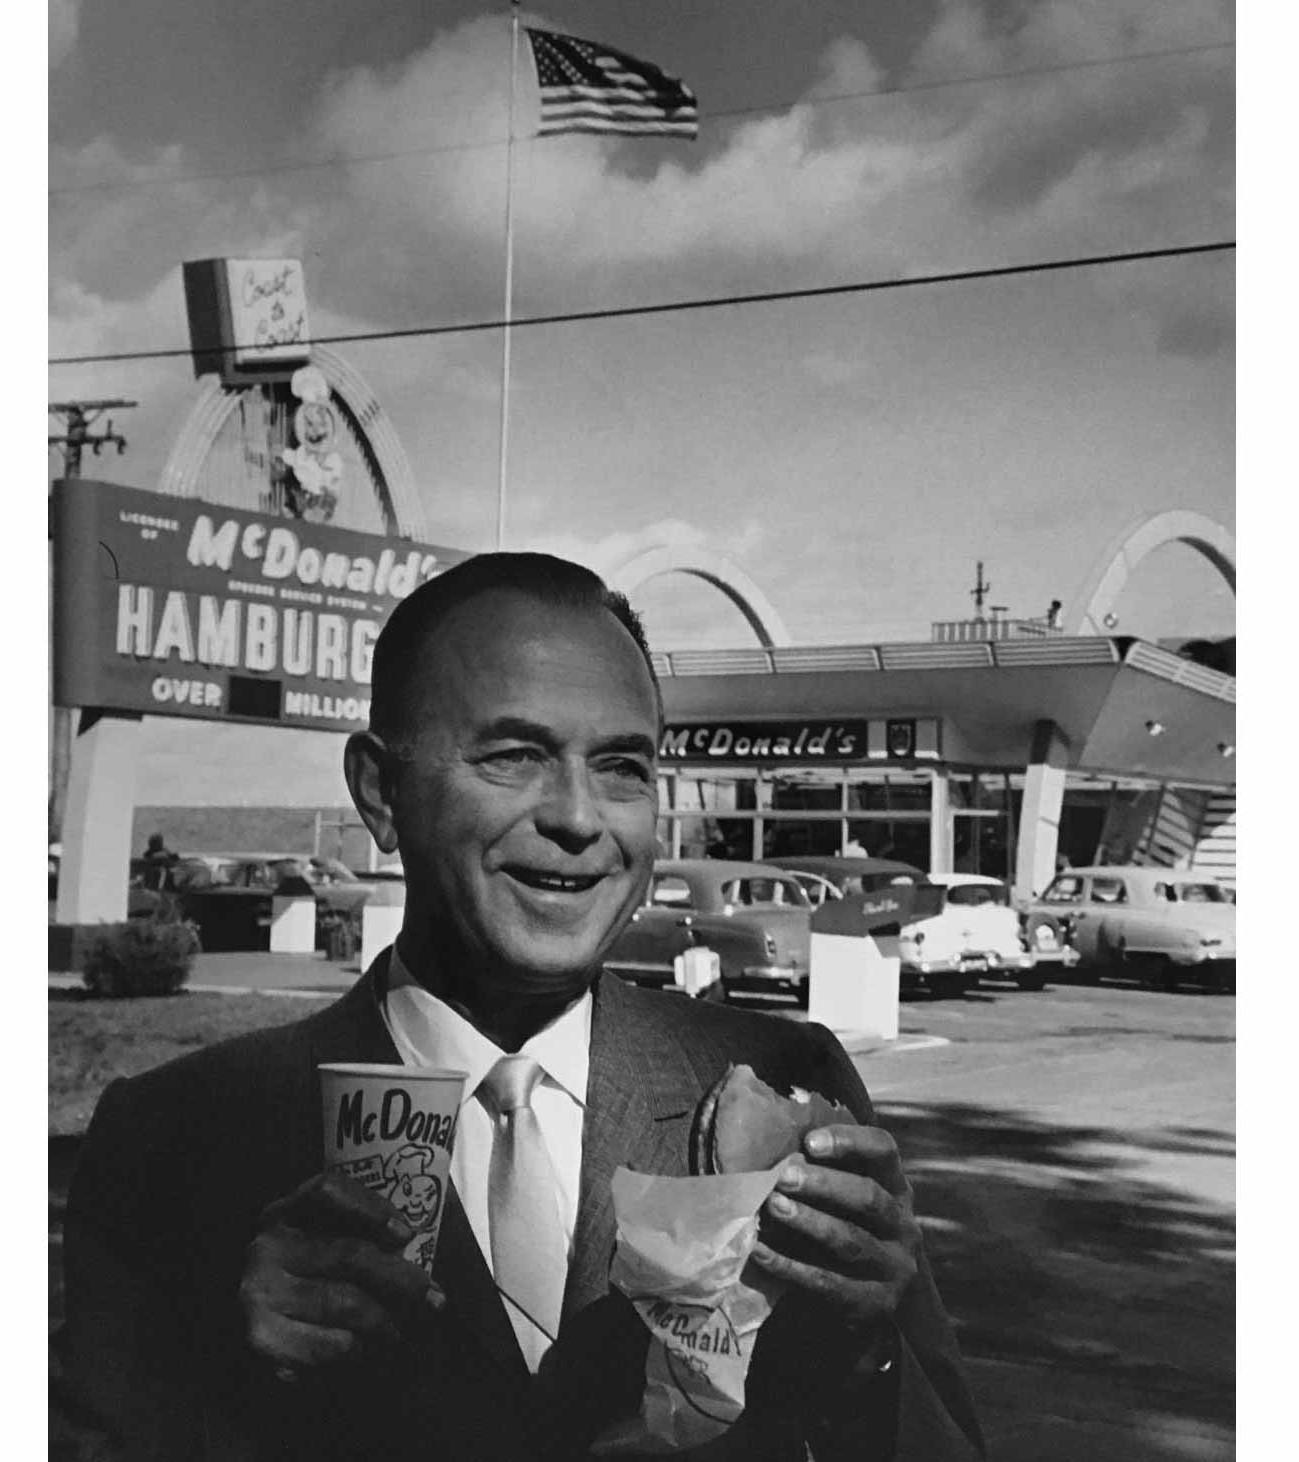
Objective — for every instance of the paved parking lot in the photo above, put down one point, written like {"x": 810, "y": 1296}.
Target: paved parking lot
{"x": 1073, "y": 1155}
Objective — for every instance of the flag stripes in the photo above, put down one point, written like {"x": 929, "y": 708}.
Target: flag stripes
{"x": 588, "y": 87}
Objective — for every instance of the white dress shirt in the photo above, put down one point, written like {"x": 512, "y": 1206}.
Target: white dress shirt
{"x": 428, "y": 1032}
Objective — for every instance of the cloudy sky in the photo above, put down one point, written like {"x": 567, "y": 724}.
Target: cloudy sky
{"x": 855, "y": 453}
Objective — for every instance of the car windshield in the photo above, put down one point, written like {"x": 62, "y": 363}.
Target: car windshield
{"x": 316, "y": 871}
{"x": 220, "y": 875}
{"x": 1066, "y": 890}
{"x": 974, "y": 895}
{"x": 764, "y": 893}
{"x": 1202, "y": 893}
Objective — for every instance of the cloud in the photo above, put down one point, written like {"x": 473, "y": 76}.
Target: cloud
{"x": 823, "y": 191}
{"x": 65, "y": 21}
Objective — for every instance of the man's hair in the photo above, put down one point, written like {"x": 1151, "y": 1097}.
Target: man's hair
{"x": 553, "y": 581}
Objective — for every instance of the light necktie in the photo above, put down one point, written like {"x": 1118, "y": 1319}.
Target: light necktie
{"x": 529, "y": 1251}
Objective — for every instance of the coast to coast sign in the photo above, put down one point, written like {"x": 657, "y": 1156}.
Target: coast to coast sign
{"x": 176, "y": 607}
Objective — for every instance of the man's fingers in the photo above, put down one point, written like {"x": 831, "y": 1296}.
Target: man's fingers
{"x": 837, "y": 1243}
{"x": 287, "y": 1343}
{"x": 335, "y": 1204}
{"x": 847, "y": 1195}
{"x": 389, "y": 1277}
{"x": 337, "y": 1305}
{"x": 867, "y": 1150}
{"x": 862, "y": 1302}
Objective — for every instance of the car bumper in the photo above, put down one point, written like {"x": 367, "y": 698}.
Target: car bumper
{"x": 1064, "y": 955}
{"x": 1198, "y": 958}
{"x": 771, "y": 981}
{"x": 947, "y": 973}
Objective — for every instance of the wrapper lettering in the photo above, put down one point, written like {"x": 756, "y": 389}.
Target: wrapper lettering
{"x": 682, "y": 1247}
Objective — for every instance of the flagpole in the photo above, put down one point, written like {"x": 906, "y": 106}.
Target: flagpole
{"x": 506, "y": 332}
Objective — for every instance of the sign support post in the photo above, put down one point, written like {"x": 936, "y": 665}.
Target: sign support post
{"x": 94, "y": 871}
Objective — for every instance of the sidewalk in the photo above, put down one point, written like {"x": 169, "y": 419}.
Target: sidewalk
{"x": 257, "y": 972}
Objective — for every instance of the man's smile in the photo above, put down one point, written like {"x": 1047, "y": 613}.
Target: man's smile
{"x": 545, "y": 881}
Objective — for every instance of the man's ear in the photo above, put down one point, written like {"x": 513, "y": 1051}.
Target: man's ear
{"x": 365, "y": 765}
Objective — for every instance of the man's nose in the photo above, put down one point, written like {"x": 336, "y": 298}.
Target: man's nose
{"x": 570, "y": 811}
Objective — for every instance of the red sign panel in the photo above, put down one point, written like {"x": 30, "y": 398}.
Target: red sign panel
{"x": 176, "y": 607}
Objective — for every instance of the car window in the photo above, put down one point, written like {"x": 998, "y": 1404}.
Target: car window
{"x": 1065, "y": 890}
{"x": 1109, "y": 891}
{"x": 258, "y": 875}
{"x": 331, "y": 870}
{"x": 1166, "y": 892}
{"x": 975, "y": 895}
{"x": 1201, "y": 893}
{"x": 224, "y": 875}
{"x": 670, "y": 892}
{"x": 768, "y": 893}
{"x": 292, "y": 868}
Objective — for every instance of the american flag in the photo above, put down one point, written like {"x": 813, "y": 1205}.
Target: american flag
{"x": 587, "y": 87}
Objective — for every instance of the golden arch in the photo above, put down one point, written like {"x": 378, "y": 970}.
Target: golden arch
{"x": 1116, "y": 565}
{"x": 399, "y": 495}
{"x": 640, "y": 565}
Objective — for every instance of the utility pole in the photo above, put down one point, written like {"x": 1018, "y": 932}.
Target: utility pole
{"x": 980, "y": 591}
{"x": 79, "y": 417}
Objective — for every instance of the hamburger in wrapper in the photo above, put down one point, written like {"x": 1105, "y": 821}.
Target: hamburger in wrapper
{"x": 682, "y": 1250}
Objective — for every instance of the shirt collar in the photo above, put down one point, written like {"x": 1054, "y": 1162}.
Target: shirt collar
{"x": 444, "y": 1038}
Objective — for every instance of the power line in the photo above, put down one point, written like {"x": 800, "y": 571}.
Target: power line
{"x": 434, "y": 149}
{"x": 712, "y": 303}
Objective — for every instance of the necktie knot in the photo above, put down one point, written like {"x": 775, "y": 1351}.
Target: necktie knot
{"x": 511, "y": 1082}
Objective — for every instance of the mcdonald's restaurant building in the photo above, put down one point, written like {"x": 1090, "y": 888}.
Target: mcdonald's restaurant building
{"x": 999, "y": 757}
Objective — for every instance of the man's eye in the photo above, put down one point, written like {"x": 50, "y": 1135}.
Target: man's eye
{"x": 514, "y": 756}
{"x": 625, "y": 768}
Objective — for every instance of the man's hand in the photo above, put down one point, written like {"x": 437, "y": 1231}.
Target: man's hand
{"x": 325, "y": 1277}
{"x": 849, "y": 1236}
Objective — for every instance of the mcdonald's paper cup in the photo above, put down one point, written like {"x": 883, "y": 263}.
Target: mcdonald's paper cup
{"x": 391, "y": 1128}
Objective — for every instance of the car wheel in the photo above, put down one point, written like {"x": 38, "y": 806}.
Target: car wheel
{"x": 1038, "y": 925}
{"x": 1166, "y": 977}
{"x": 1032, "y": 982}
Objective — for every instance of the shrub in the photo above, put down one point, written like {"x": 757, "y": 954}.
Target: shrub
{"x": 143, "y": 957}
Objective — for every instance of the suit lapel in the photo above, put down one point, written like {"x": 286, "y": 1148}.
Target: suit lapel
{"x": 640, "y": 1100}
{"x": 358, "y": 1032}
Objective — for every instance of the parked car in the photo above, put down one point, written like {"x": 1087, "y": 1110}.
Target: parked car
{"x": 990, "y": 932}
{"x": 932, "y": 954}
{"x": 752, "y": 915}
{"x": 828, "y": 875}
{"x": 230, "y": 896}
{"x": 1166, "y": 926}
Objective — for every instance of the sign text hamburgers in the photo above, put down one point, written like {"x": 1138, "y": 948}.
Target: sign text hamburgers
{"x": 179, "y": 607}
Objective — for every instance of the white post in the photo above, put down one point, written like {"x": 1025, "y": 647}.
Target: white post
{"x": 940, "y": 822}
{"x": 97, "y": 824}
{"x": 1039, "y": 815}
{"x": 506, "y": 332}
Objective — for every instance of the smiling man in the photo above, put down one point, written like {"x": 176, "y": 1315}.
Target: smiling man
{"x": 227, "y": 1300}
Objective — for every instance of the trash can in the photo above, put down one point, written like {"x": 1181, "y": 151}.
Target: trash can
{"x": 696, "y": 969}
{"x": 855, "y": 968}
{"x": 293, "y": 917}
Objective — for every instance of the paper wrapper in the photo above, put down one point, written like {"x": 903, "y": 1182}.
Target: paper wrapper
{"x": 682, "y": 1245}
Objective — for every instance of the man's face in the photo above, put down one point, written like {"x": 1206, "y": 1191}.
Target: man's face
{"x": 526, "y": 801}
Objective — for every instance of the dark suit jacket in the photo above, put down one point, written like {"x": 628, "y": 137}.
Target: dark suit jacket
{"x": 179, "y": 1162}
